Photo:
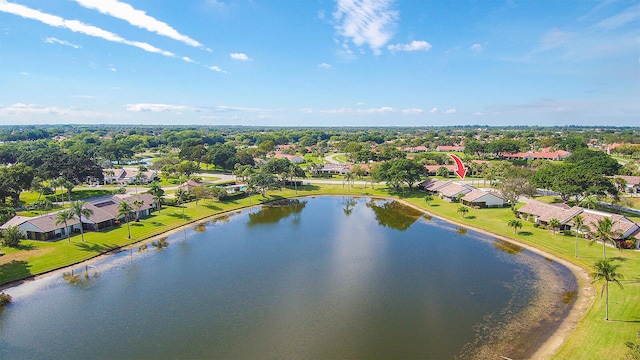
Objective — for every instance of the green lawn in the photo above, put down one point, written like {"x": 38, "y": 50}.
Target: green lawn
{"x": 593, "y": 338}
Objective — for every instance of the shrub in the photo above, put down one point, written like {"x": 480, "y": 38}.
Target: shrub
{"x": 5, "y": 299}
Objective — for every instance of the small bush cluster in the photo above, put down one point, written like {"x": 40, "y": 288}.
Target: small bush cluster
{"x": 162, "y": 243}
{"x": 5, "y": 299}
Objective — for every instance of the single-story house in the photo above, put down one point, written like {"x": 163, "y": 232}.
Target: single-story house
{"x": 331, "y": 169}
{"x": 633, "y": 183}
{"x": 293, "y": 158}
{"x": 448, "y": 148}
{"x": 483, "y": 199}
{"x": 433, "y": 169}
{"x": 42, "y": 227}
{"x": 105, "y": 215}
{"x": 542, "y": 213}
{"x": 621, "y": 225}
{"x": 433, "y": 185}
{"x": 451, "y": 191}
{"x": 189, "y": 185}
{"x": 555, "y": 155}
{"x": 127, "y": 176}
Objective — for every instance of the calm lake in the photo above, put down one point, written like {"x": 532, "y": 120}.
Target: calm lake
{"x": 326, "y": 277}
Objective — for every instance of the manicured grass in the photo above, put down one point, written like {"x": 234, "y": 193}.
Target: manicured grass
{"x": 593, "y": 338}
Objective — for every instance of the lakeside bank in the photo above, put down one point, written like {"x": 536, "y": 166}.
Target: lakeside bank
{"x": 580, "y": 345}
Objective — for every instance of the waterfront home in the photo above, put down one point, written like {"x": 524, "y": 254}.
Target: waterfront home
{"x": 542, "y": 213}
{"x": 483, "y": 199}
{"x": 104, "y": 215}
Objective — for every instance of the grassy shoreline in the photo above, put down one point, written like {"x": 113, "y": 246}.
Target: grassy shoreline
{"x": 592, "y": 338}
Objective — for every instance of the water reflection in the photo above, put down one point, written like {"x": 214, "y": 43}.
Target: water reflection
{"x": 273, "y": 213}
{"x": 508, "y": 247}
{"x": 394, "y": 215}
{"x": 348, "y": 205}
{"x": 461, "y": 230}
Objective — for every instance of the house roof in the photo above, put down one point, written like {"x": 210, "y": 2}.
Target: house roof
{"x": 45, "y": 223}
{"x": 631, "y": 180}
{"x": 477, "y": 194}
{"x": 434, "y": 168}
{"x": 546, "y": 212}
{"x": 453, "y": 189}
{"x": 433, "y": 184}
{"x": 620, "y": 223}
{"x": 146, "y": 198}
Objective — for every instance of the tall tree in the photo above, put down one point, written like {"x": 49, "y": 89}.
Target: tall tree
{"x": 607, "y": 272}
{"x": 79, "y": 210}
{"x": 578, "y": 224}
{"x": 605, "y": 233}
{"x": 124, "y": 209}
{"x": 138, "y": 203}
{"x": 62, "y": 217}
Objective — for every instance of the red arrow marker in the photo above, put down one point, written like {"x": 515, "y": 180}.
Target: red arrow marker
{"x": 460, "y": 169}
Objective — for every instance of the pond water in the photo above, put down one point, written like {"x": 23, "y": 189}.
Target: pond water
{"x": 326, "y": 277}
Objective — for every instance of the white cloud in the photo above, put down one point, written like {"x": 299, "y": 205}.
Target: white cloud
{"x": 628, "y": 15}
{"x": 325, "y": 66}
{"x": 52, "y": 40}
{"x": 553, "y": 39}
{"x": 450, "y": 111}
{"x": 433, "y": 110}
{"x": 239, "y": 56}
{"x": 415, "y": 45}
{"x": 476, "y": 47}
{"x": 157, "y": 107}
{"x": 366, "y": 111}
{"x": 111, "y": 68}
{"x": 21, "y": 109}
{"x": 370, "y": 22}
{"x": 76, "y": 26}
{"x": 25, "y": 73}
{"x": 137, "y": 18}
{"x": 188, "y": 59}
{"x": 217, "y": 68}
{"x": 478, "y": 113}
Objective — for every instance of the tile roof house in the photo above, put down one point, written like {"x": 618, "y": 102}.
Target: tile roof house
{"x": 633, "y": 183}
{"x": 189, "y": 185}
{"x": 542, "y": 213}
{"x": 105, "y": 215}
{"x": 483, "y": 199}
{"x": 126, "y": 176}
{"x": 42, "y": 227}
{"x": 556, "y": 155}
{"x": 433, "y": 169}
{"x": 454, "y": 148}
{"x": 451, "y": 191}
{"x": 621, "y": 225}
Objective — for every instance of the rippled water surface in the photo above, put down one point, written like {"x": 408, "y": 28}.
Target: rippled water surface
{"x": 328, "y": 277}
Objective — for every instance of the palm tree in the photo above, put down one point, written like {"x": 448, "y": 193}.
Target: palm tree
{"x": 62, "y": 217}
{"x": 428, "y": 198}
{"x": 138, "y": 205}
{"x": 69, "y": 186}
{"x": 605, "y": 270}
{"x": 604, "y": 231}
{"x": 463, "y": 210}
{"x": 156, "y": 190}
{"x": 515, "y": 224}
{"x": 78, "y": 209}
{"x": 181, "y": 197}
{"x": 578, "y": 224}
{"x": 125, "y": 209}
{"x": 555, "y": 224}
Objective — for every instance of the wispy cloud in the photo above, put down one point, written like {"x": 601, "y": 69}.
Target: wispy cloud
{"x": 627, "y": 16}
{"x": 367, "y": 111}
{"x": 370, "y": 22}
{"x": 188, "y": 59}
{"x": 217, "y": 68}
{"x": 239, "y": 56}
{"x": 21, "y": 109}
{"x": 433, "y": 110}
{"x": 138, "y": 18}
{"x": 76, "y": 26}
{"x": 52, "y": 40}
{"x": 325, "y": 66}
{"x": 160, "y": 108}
{"x": 450, "y": 111}
{"x": 416, "y": 45}
{"x": 553, "y": 39}
{"x": 476, "y": 47}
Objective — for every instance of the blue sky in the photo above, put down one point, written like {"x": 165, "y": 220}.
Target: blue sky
{"x": 320, "y": 62}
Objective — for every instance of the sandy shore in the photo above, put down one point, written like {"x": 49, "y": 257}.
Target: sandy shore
{"x": 551, "y": 345}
